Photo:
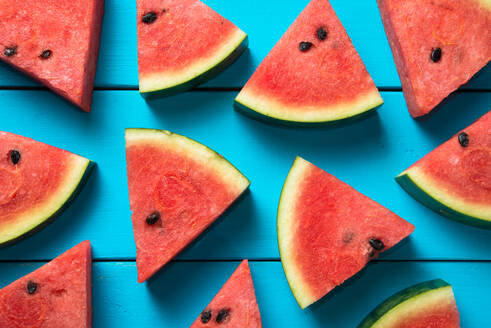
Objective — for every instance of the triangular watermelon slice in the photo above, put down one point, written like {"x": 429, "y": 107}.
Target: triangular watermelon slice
{"x": 183, "y": 43}
{"x": 327, "y": 231}
{"x": 37, "y": 182}
{"x": 312, "y": 75}
{"x": 430, "y": 304}
{"x": 438, "y": 45}
{"x": 178, "y": 187}
{"x": 55, "y": 42}
{"x": 235, "y": 304}
{"x": 59, "y": 294}
{"x": 455, "y": 179}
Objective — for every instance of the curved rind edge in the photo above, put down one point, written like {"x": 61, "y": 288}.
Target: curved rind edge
{"x": 418, "y": 193}
{"x": 50, "y": 217}
{"x": 400, "y": 297}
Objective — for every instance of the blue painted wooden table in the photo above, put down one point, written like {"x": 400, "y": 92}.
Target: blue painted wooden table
{"x": 367, "y": 154}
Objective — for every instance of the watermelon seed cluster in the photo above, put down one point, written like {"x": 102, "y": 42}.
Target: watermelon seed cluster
{"x": 31, "y": 287}
{"x": 463, "y": 139}
{"x": 436, "y": 54}
{"x": 15, "y": 156}
{"x": 10, "y": 51}
{"x": 222, "y": 316}
{"x": 321, "y": 35}
{"x": 150, "y": 17}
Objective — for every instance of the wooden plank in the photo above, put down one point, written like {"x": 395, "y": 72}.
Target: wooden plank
{"x": 178, "y": 295}
{"x": 264, "y": 21}
{"x": 366, "y": 154}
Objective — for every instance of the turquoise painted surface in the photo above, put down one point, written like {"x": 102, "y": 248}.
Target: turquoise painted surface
{"x": 366, "y": 154}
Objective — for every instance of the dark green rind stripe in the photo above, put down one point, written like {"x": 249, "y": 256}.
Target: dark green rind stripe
{"x": 202, "y": 78}
{"x": 269, "y": 119}
{"x": 58, "y": 212}
{"x": 420, "y": 195}
{"x": 398, "y": 298}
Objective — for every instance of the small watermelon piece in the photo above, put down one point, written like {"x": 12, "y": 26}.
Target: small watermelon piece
{"x": 438, "y": 45}
{"x": 59, "y": 294}
{"x": 312, "y": 75}
{"x": 235, "y": 305}
{"x": 178, "y": 188}
{"x": 327, "y": 231}
{"x": 455, "y": 179}
{"x": 37, "y": 182}
{"x": 428, "y": 304}
{"x": 183, "y": 43}
{"x": 56, "y": 42}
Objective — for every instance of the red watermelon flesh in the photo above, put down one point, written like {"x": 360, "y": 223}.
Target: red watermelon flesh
{"x": 41, "y": 182}
{"x": 59, "y": 294}
{"x": 185, "y": 39}
{"x": 324, "y": 83}
{"x": 177, "y": 188}
{"x": 235, "y": 305}
{"x": 55, "y": 42}
{"x": 327, "y": 231}
{"x": 460, "y": 28}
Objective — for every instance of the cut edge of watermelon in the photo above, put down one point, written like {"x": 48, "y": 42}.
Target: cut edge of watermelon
{"x": 186, "y": 146}
{"x": 43, "y": 214}
{"x": 167, "y": 84}
{"x": 262, "y": 106}
{"x": 285, "y": 226}
{"x": 420, "y": 186}
{"x": 413, "y": 299}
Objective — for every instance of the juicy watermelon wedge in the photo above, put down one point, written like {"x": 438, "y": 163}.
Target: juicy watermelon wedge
{"x": 59, "y": 294}
{"x": 437, "y": 46}
{"x": 37, "y": 182}
{"x": 324, "y": 83}
{"x": 183, "y": 43}
{"x": 178, "y": 188}
{"x": 454, "y": 180}
{"x": 56, "y": 42}
{"x": 235, "y": 304}
{"x": 327, "y": 231}
{"x": 428, "y": 304}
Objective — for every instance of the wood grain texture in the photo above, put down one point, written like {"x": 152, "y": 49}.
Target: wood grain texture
{"x": 177, "y": 296}
{"x": 367, "y": 154}
{"x": 264, "y": 21}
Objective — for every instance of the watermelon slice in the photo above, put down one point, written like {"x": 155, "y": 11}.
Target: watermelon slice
{"x": 327, "y": 231}
{"x": 55, "y": 42}
{"x": 312, "y": 75}
{"x": 37, "y": 182}
{"x": 59, "y": 294}
{"x": 455, "y": 178}
{"x": 438, "y": 45}
{"x": 235, "y": 304}
{"x": 429, "y": 304}
{"x": 178, "y": 187}
{"x": 183, "y": 43}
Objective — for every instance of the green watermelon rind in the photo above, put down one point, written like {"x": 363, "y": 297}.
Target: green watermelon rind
{"x": 44, "y": 219}
{"x": 421, "y": 194}
{"x": 362, "y": 108}
{"x": 207, "y": 73}
{"x": 412, "y": 295}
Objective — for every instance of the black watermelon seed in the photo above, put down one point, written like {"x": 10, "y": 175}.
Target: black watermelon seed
{"x": 436, "y": 54}
{"x": 321, "y": 33}
{"x": 31, "y": 287}
{"x": 10, "y": 51}
{"x": 45, "y": 54}
{"x": 377, "y": 244}
{"x": 152, "y": 218}
{"x": 305, "y": 46}
{"x": 205, "y": 316}
{"x": 222, "y": 315}
{"x": 15, "y": 156}
{"x": 149, "y": 17}
{"x": 463, "y": 139}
